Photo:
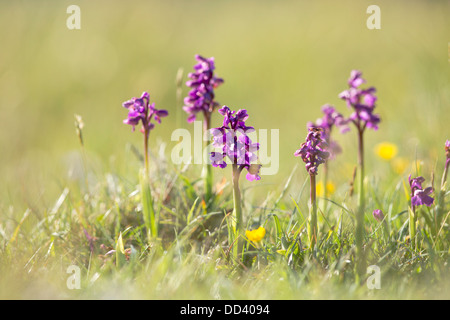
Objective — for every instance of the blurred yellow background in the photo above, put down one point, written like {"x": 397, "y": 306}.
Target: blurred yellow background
{"x": 281, "y": 60}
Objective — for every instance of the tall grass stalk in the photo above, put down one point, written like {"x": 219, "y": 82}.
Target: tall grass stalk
{"x": 79, "y": 124}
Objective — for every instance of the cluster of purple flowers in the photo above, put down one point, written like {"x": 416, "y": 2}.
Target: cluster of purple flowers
{"x": 202, "y": 83}
{"x": 362, "y": 101}
{"x": 312, "y": 151}
{"x": 330, "y": 119}
{"x": 235, "y": 144}
{"x": 420, "y": 196}
{"x": 140, "y": 110}
{"x": 236, "y": 147}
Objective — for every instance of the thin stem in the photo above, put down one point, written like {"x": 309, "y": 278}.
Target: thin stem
{"x": 150, "y": 219}
{"x": 237, "y": 210}
{"x": 359, "y": 233}
{"x": 361, "y": 202}
{"x": 147, "y": 169}
{"x": 325, "y": 181}
{"x": 441, "y": 199}
{"x": 312, "y": 223}
{"x": 207, "y": 168}
{"x": 79, "y": 130}
{"x": 444, "y": 175}
{"x": 412, "y": 226}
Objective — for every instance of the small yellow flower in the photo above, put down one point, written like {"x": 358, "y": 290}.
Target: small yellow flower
{"x": 331, "y": 188}
{"x": 386, "y": 150}
{"x": 256, "y": 235}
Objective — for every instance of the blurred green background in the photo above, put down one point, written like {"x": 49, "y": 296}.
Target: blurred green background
{"x": 281, "y": 60}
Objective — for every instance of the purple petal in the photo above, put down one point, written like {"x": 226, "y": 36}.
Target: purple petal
{"x": 252, "y": 177}
{"x": 355, "y": 79}
{"x": 162, "y": 113}
{"x": 128, "y": 103}
{"x": 191, "y": 118}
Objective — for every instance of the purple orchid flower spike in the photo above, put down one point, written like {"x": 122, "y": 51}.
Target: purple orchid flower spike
{"x": 202, "y": 83}
{"x": 419, "y": 197}
{"x": 140, "y": 111}
{"x": 313, "y": 151}
{"x": 201, "y": 99}
{"x": 362, "y": 101}
{"x": 136, "y": 109}
{"x": 235, "y": 144}
{"x": 331, "y": 118}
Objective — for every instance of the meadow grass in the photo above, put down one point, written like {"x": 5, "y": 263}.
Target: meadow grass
{"x": 193, "y": 251}
{"x": 64, "y": 205}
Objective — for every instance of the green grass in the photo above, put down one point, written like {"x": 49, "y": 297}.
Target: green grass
{"x": 281, "y": 62}
{"x": 193, "y": 250}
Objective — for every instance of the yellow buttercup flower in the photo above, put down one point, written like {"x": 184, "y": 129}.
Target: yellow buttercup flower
{"x": 331, "y": 188}
{"x": 386, "y": 150}
{"x": 256, "y": 235}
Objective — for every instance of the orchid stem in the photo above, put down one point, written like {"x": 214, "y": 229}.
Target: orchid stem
{"x": 146, "y": 196}
{"x": 147, "y": 169}
{"x": 312, "y": 222}
{"x": 444, "y": 175}
{"x": 207, "y": 168}
{"x": 239, "y": 244}
{"x": 325, "y": 181}
{"x": 237, "y": 210}
{"x": 359, "y": 233}
{"x": 412, "y": 227}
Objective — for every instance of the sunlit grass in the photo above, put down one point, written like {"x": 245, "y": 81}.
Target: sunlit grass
{"x": 193, "y": 251}
{"x": 61, "y": 205}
